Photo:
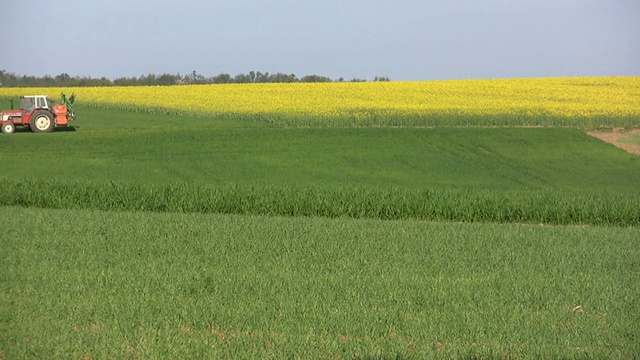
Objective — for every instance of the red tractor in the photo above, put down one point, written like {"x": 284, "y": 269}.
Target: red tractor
{"x": 39, "y": 113}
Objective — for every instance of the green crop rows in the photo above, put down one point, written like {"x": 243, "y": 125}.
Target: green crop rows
{"x": 539, "y": 206}
{"x": 158, "y": 236}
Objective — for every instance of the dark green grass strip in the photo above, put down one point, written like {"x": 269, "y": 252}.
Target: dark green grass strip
{"x": 535, "y": 206}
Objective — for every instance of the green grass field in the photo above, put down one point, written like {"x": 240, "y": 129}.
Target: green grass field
{"x": 440, "y": 158}
{"x": 80, "y": 283}
{"x": 139, "y": 147}
{"x": 155, "y": 236}
{"x": 179, "y": 164}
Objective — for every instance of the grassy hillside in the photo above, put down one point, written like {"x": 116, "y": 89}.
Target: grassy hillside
{"x": 140, "y": 161}
{"x": 504, "y": 158}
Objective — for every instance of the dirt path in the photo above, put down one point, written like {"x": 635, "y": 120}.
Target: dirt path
{"x": 628, "y": 140}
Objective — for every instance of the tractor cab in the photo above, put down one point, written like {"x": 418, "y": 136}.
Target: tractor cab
{"x": 29, "y": 103}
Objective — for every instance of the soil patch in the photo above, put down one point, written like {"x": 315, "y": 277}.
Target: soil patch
{"x": 628, "y": 140}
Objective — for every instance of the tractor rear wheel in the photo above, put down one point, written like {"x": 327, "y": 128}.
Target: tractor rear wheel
{"x": 41, "y": 121}
{"x": 8, "y": 128}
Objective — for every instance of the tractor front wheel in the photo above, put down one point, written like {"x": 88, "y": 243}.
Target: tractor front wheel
{"x": 8, "y": 128}
{"x": 41, "y": 121}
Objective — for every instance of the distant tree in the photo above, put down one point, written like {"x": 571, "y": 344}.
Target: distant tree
{"x": 65, "y": 80}
{"x": 82, "y": 81}
{"x": 11, "y": 80}
{"x": 147, "y": 80}
{"x": 195, "y": 78}
{"x": 282, "y": 78}
{"x": 47, "y": 80}
{"x": 179, "y": 79}
{"x": 103, "y": 81}
{"x": 167, "y": 79}
{"x": 28, "y": 81}
{"x": 88, "y": 81}
{"x": 262, "y": 78}
{"x": 221, "y": 78}
{"x": 315, "y": 78}
{"x": 242, "y": 78}
{"x": 125, "y": 81}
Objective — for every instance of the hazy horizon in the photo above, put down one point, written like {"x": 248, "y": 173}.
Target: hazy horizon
{"x": 402, "y": 40}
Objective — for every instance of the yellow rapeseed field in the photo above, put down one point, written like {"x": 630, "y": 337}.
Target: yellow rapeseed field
{"x": 542, "y": 98}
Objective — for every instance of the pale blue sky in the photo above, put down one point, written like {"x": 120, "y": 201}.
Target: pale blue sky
{"x": 401, "y": 39}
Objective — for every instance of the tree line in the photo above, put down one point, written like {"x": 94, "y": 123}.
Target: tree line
{"x": 9, "y": 79}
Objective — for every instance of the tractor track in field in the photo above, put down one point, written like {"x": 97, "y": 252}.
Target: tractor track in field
{"x": 626, "y": 139}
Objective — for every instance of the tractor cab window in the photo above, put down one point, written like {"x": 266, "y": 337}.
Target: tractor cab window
{"x": 28, "y": 104}
{"x": 42, "y": 102}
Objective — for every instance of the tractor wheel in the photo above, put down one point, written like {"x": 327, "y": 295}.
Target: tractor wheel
{"x": 8, "y": 128}
{"x": 41, "y": 121}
